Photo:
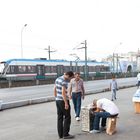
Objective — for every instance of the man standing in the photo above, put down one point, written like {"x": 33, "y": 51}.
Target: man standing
{"x": 105, "y": 109}
{"x": 63, "y": 106}
{"x": 77, "y": 90}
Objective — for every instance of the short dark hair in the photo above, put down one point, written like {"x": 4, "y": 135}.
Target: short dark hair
{"x": 69, "y": 73}
{"x": 113, "y": 76}
{"x": 77, "y": 73}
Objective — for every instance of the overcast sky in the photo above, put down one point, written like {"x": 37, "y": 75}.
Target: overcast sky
{"x": 65, "y": 24}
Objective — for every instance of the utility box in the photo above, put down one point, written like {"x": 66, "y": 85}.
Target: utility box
{"x": 87, "y": 118}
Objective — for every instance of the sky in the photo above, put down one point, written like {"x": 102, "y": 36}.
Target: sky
{"x": 108, "y": 26}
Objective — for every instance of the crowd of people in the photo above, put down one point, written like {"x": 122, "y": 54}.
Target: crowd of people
{"x": 71, "y": 86}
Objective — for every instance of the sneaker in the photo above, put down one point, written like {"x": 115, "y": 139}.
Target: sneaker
{"x": 77, "y": 118}
{"x": 95, "y": 131}
{"x": 68, "y": 137}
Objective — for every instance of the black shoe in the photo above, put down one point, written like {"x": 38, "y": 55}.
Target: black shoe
{"x": 68, "y": 137}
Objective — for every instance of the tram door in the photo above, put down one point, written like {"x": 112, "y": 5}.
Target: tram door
{"x": 60, "y": 70}
{"x": 86, "y": 72}
{"x": 40, "y": 72}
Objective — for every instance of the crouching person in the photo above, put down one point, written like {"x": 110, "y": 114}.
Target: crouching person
{"x": 104, "y": 109}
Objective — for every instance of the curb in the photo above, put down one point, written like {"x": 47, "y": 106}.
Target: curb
{"x": 20, "y": 103}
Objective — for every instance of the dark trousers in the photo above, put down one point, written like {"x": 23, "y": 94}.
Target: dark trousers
{"x": 63, "y": 118}
{"x": 76, "y": 98}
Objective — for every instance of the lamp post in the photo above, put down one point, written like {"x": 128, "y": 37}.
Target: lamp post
{"x": 21, "y": 40}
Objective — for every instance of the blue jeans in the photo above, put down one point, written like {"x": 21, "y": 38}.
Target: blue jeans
{"x": 76, "y": 98}
{"x": 97, "y": 116}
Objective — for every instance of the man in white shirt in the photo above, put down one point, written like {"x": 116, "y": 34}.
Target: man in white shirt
{"x": 104, "y": 109}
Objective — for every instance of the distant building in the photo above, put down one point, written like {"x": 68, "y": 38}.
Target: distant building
{"x": 124, "y": 62}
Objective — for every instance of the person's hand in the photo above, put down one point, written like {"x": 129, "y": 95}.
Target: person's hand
{"x": 66, "y": 106}
{"x": 92, "y": 112}
{"x": 70, "y": 97}
{"x": 83, "y": 97}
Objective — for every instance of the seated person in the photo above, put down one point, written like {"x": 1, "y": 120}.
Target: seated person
{"x": 104, "y": 109}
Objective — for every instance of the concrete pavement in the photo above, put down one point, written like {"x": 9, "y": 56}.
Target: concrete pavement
{"x": 38, "y": 122}
{"x": 36, "y": 100}
{"x": 13, "y": 96}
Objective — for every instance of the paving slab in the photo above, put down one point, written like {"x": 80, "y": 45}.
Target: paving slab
{"x": 38, "y": 122}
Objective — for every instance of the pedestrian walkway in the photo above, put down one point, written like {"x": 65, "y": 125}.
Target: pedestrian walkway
{"x": 38, "y": 122}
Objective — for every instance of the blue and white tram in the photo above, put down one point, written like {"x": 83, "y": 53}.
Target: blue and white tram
{"x": 31, "y": 69}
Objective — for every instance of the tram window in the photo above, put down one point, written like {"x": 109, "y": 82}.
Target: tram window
{"x": 92, "y": 68}
{"x": 107, "y": 68}
{"x": 47, "y": 69}
{"x": 12, "y": 69}
{"x": 31, "y": 69}
{"x": 78, "y": 68}
{"x": 52, "y": 69}
{"x": 97, "y": 68}
{"x": 5, "y": 68}
{"x": 60, "y": 69}
{"x": 66, "y": 68}
{"x": 21, "y": 69}
{"x": 9, "y": 70}
{"x": 73, "y": 68}
{"x": 81, "y": 68}
{"x": 101, "y": 68}
{"x": 40, "y": 70}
